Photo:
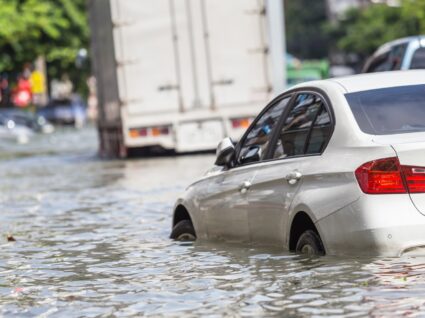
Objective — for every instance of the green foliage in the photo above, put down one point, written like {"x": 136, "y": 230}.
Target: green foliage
{"x": 363, "y": 30}
{"x": 305, "y": 37}
{"x": 413, "y": 12}
{"x": 56, "y": 29}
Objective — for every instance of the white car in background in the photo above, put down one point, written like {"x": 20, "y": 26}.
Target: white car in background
{"x": 401, "y": 54}
{"x": 329, "y": 167}
{"x": 11, "y": 131}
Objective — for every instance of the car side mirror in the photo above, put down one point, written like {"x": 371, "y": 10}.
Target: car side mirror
{"x": 225, "y": 152}
{"x": 253, "y": 154}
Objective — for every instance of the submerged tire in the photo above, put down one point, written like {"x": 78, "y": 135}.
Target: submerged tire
{"x": 310, "y": 243}
{"x": 183, "y": 231}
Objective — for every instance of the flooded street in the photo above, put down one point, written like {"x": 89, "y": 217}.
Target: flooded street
{"x": 92, "y": 241}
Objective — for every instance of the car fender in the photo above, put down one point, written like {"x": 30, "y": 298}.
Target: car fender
{"x": 305, "y": 201}
{"x": 188, "y": 203}
{"x": 292, "y": 213}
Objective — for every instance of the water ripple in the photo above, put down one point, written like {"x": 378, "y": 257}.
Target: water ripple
{"x": 92, "y": 241}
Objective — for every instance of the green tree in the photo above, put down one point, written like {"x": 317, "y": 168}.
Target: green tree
{"x": 413, "y": 12}
{"x": 363, "y": 30}
{"x": 56, "y": 29}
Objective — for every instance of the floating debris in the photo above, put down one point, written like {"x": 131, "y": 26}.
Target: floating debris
{"x": 10, "y": 238}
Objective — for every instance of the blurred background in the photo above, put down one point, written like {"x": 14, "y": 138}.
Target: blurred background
{"x": 177, "y": 76}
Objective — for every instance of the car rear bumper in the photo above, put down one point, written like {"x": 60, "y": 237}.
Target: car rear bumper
{"x": 386, "y": 225}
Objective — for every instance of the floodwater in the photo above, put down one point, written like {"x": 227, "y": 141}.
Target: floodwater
{"x": 92, "y": 241}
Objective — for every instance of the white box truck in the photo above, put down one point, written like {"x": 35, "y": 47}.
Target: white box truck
{"x": 182, "y": 74}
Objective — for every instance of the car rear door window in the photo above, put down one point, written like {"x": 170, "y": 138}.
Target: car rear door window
{"x": 418, "y": 59}
{"x": 254, "y": 146}
{"x": 305, "y": 129}
{"x": 320, "y": 132}
{"x": 397, "y": 55}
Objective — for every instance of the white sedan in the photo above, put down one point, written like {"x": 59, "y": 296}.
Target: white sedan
{"x": 329, "y": 167}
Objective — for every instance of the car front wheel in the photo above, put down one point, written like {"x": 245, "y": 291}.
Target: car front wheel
{"x": 183, "y": 231}
{"x": 310, "y": 243}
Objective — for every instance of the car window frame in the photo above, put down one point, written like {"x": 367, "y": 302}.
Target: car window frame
{"x": 238, "y": 148}
{"x": 292, "y": 94}
{"x": 326, "y": 103}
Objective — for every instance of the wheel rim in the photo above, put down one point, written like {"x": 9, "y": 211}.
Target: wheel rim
{"x": 186, "y": 237}
{"x": 308, "y": 250}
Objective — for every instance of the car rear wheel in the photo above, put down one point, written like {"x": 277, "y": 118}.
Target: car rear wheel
{"x": 183, "y": 231}
{"x": 310, "y": 243}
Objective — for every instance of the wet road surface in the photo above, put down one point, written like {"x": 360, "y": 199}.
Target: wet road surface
{"x": 92, "y": 241}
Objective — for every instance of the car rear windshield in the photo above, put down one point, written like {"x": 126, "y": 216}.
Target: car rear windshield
{"x": 386, "y": 111}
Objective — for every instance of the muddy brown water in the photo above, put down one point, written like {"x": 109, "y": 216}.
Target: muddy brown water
{"x": 92, "y": 241}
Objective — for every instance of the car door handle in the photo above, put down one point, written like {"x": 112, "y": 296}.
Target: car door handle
{"x": 293, "y": 177}
{"x": 244, "y": 187}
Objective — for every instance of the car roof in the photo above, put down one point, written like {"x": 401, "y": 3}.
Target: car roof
{"x": 369, "y": 81}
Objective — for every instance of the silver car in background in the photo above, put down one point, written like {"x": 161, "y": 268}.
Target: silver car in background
{"x": 402, "y": 54}
{"x": 329, "y": 167}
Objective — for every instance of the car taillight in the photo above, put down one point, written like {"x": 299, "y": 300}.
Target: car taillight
{"x": 241, "y": 122}
{"x": 380, "y": 176}
{"x": 385, "y": 176}
{"x": 149, "y": 131}
{"x": 415, "y": 178}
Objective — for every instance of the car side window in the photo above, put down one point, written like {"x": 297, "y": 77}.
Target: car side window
{"x": 254, "y": 146}
{"x": 388, "y": 61}
{"x": 305, "y": 130}
{"x": 418, "y": 59}
{"x": 379, "y": 63}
